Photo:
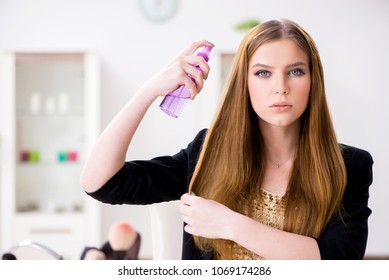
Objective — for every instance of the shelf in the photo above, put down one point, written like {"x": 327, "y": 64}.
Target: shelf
{"x": 48, "y": 164}
{"x": 50, "y": 113}
{"x": 52, "y": 207}
{"x": 41, "y": 215}
{"x": 49, "y": 116}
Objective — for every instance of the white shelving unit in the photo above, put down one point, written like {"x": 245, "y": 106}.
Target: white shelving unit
{"x": 49, "y": 106}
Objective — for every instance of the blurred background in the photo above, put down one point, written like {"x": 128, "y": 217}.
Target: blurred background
{"x": 107, "y": 49}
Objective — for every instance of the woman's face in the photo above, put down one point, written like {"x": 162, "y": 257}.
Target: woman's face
{"x": 279, "y": 82}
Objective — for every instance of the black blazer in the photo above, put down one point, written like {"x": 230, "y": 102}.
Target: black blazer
{"x": 167, "y": 178}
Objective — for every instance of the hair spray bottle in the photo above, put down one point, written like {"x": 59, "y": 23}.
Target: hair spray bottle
{"x": 174, "y": 102}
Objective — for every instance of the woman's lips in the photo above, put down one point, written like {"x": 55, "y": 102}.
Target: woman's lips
{"x": 281, "y": 106}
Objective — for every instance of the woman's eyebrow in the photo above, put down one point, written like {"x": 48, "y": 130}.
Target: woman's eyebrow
{"x": 299, "y": 63}
{"x": 262, "y": 66}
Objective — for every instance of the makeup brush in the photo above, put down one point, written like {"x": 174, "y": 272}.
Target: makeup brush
{"x": 121, "y": 237}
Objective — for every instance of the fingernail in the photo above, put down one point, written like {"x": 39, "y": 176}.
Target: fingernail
{"x": 193, "y": 193}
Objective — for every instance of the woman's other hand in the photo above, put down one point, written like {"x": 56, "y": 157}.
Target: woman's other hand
{"x": 206, "y": 218}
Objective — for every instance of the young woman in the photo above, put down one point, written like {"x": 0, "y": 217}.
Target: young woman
{"x": 268, "y": 179}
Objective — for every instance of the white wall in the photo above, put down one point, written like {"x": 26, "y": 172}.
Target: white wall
{"x": 352, "y": 37}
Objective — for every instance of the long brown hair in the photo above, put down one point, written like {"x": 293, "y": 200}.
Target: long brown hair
{"x": 231, "y": 164}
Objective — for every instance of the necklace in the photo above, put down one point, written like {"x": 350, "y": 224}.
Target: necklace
{"x": 278, "y": 164}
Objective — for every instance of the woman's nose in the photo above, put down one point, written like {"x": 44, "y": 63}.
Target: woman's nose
{"x": 281, "y": 85}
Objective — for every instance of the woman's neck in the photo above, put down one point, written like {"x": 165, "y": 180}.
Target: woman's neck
{"x": 280, "y": 142}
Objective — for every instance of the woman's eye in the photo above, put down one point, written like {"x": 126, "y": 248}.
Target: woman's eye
{"x": 296, "y": 72}
{"x": 262, "y": 73}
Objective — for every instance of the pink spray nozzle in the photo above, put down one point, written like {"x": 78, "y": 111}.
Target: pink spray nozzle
{"x": 204, "y": 52}
{"x": 207, "y": 49}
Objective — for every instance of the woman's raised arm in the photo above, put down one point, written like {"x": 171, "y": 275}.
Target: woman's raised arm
{"x": 109, "y": 152}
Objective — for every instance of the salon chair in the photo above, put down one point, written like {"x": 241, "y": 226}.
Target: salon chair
{"x": 166, "y": 230}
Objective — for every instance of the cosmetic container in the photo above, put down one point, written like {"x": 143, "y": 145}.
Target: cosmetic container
{"x": 174, "y": 102}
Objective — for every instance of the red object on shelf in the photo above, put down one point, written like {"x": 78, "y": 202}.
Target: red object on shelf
{"x": 23, "y": 156}
{"x": 72, "y": 156}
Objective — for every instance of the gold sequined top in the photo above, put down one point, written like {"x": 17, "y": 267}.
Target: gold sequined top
{"x": 269, "y": 211}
